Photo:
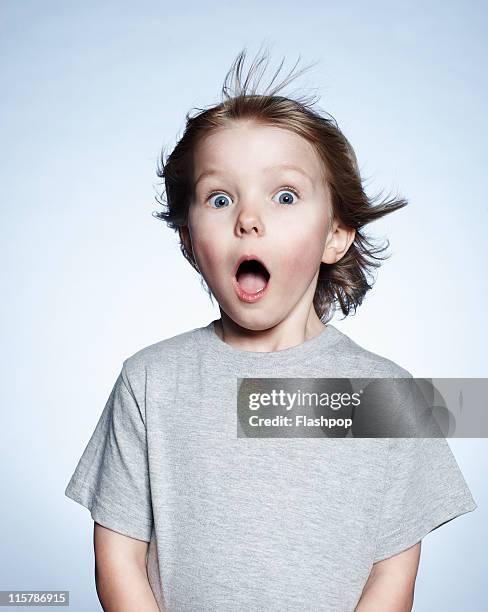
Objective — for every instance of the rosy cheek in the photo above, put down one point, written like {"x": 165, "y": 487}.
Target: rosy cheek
{"x": 303, "y": 265}
{"x": 301, "y": 254}
{"x": 207, "y": 250}
{"x": 212, "y": 257}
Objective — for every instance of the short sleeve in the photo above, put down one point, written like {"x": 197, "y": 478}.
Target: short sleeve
{"x": 112, "y": 476}
{"x": 424, "y": 489}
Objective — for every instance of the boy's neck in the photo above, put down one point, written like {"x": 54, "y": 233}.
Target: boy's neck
{"x": 286, "y": 334}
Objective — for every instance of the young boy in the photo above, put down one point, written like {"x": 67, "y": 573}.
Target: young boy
{"x": 268, "y": 201}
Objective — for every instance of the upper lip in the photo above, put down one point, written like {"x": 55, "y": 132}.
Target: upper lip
{"x": 248, "y": 258}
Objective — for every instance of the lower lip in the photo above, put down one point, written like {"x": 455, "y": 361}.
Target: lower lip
{"x": 249, "y": 297}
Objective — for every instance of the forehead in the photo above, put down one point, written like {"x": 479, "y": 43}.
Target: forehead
{"x": 248, "y": 148}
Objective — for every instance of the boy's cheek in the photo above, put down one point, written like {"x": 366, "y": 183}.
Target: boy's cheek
{"x": 304, "y": 266}
{"x": 301, "y": 253}
{"x": 210, "y": 255}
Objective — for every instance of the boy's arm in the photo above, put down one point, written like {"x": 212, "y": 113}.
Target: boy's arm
{"x": 391, "y": 583}
{"x": 120, "y": 572}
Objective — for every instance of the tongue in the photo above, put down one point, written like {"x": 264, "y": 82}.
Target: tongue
{"x": 252, "y": 282}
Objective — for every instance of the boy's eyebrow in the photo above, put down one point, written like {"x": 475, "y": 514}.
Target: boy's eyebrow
{"x": 285, "y": 165}
{"x": 288, "y": 166}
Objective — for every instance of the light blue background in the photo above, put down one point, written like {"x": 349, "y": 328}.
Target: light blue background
{"x": 90, "y": 93}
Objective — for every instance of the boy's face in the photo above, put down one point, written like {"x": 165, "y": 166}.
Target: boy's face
{"x": 246, "y": 204}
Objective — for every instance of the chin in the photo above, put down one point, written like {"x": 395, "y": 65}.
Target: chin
{"x": 256, "y": 321}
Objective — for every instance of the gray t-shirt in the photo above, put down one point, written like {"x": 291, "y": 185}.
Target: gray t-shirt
{"x": 256, "y": 524}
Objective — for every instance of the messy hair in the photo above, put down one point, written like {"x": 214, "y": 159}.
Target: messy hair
{"x": 345, "y": 282}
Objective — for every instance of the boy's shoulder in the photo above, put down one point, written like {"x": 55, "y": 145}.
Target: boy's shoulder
{"x": 368, "y": 363}
{"x": 166, "y": 353}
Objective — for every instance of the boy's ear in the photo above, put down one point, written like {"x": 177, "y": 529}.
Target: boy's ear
{"x": 185, "y": 238}
{"x": 338, "y": 241}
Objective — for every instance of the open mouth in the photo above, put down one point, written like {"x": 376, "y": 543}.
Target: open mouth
{"x": 252, "y": 276}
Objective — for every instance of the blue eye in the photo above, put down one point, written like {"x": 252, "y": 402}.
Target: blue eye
{"x": 286, "y": 199}
{"x": 220, "y": 201}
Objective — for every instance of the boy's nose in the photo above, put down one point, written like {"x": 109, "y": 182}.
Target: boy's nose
{"x": 249, "y": 218}
{"x": 248, "y": 224}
